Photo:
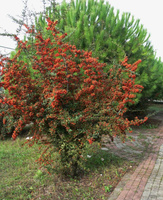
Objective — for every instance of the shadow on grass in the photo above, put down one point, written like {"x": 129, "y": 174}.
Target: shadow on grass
{"x": 97, "y": 159}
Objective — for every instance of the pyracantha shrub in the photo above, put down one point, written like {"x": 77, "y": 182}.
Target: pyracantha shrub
{"x": 6, "y": 121}
{"x": 67, "y": 96}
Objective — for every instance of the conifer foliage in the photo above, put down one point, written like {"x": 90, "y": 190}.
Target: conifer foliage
{"x": 93, "y": 25}
{"x": 66, "y": 95}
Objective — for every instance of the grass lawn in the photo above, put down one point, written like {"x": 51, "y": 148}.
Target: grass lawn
{"x": 21, "y": 178}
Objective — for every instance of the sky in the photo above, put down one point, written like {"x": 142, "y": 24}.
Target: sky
{"x": 149, "y": 12}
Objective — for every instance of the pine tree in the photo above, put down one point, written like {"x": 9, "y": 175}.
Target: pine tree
{"x": 93, "y": 25}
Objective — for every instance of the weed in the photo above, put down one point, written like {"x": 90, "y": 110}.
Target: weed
{"x": 141, "y": 136}
{"x": 117, "y": 173}
{"x": 38, "y": 175}
{"x": 149, "y": 126}
{"x": 108, "y": 188}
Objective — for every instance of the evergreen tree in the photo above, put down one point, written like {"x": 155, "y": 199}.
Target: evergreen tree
{"x": 93, "y": 25}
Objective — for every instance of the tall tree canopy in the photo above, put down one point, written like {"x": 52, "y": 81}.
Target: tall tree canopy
{"x": 94, "y": 26}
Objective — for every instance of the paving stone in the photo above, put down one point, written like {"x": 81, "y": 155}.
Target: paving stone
{"x": 146, "y": 182}
{"x": 154, "y": 183}
{"x": 144, "y": 198}
{"x": 159, "y": 198}
{"x": 160, "y": 192}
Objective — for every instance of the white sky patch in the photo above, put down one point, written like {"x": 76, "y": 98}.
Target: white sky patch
{"x": 150, "y": 15}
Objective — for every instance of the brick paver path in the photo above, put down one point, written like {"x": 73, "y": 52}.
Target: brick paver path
{"x": 146, "y": 183}
{"x": 154, "y": 186}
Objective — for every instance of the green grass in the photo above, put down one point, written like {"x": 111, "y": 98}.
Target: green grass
{"x": 149, "y": 126}
{"x": 20, "y": 177}
{"x": 155, "y": 107}
{"x": 17, "y": 167}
